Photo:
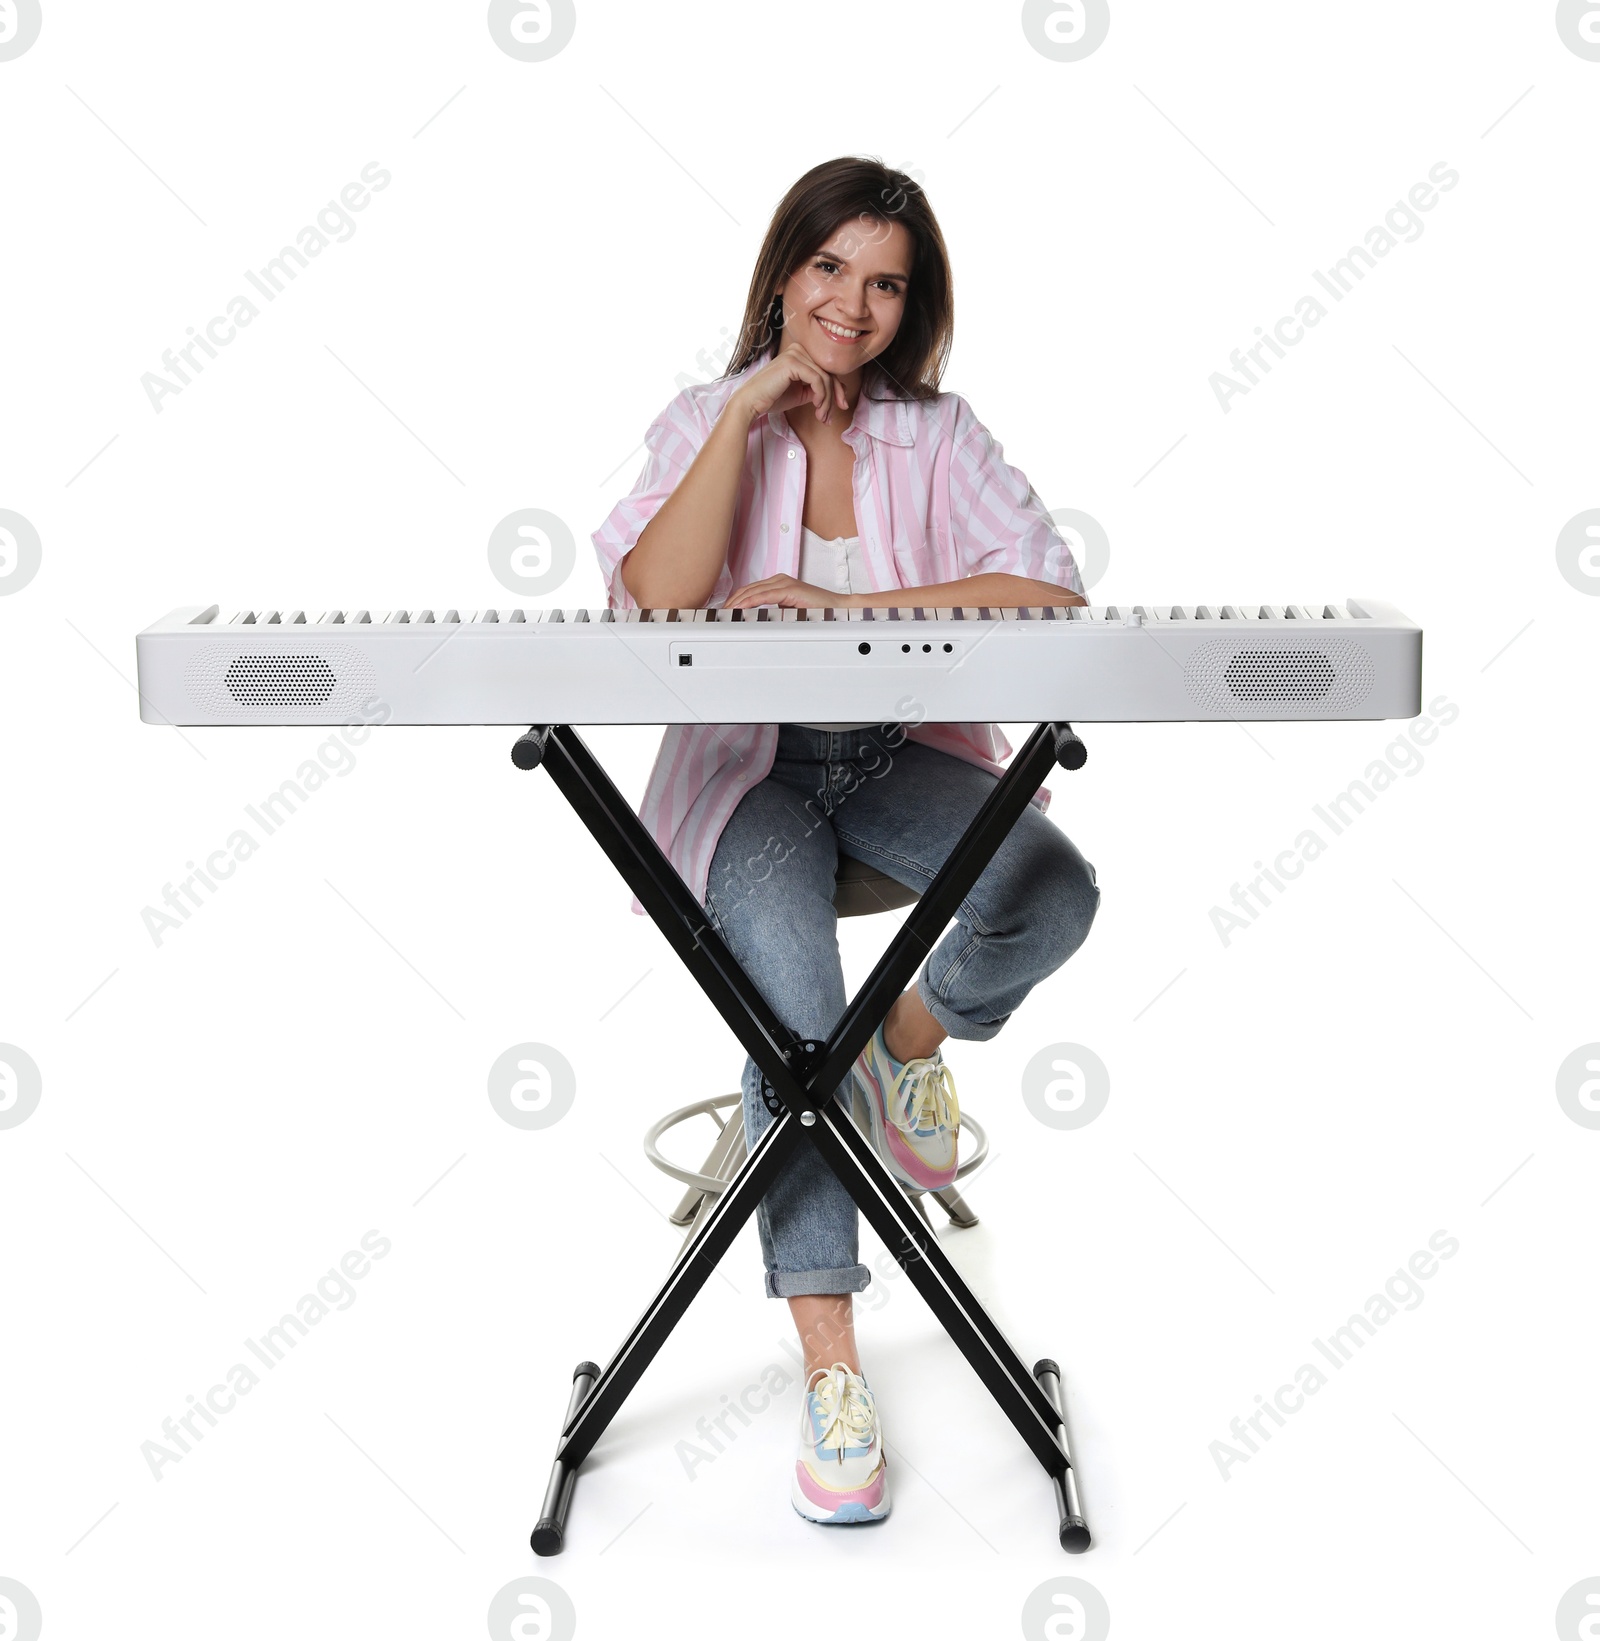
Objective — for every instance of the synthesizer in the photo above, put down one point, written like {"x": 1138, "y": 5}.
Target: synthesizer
{"x": 1111, "y": 663}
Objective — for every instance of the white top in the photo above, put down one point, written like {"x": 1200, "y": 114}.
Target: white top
{"x": 839, "y": 566}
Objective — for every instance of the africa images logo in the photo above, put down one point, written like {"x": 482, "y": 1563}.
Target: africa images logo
{"x": 20, "y": 22}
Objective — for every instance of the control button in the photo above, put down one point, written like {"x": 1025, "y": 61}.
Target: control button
{"x": 1133, "y": 619}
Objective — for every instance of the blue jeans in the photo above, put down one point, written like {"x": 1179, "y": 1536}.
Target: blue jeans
{"x": 901, "y": 807}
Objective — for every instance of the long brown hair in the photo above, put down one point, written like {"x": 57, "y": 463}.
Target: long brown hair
{"x": 872, "y": 193}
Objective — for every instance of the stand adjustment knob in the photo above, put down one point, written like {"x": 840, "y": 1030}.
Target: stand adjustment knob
{"x": 1071, "y": 753}
{"x": 528, "y": 750}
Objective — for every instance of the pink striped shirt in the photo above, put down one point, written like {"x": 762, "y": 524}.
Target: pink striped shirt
{"x": 934, "y": 501}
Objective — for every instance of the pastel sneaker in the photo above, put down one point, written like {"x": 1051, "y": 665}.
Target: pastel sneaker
{"x": 839, "y": 1476}
{"x": 911, "y": 1113}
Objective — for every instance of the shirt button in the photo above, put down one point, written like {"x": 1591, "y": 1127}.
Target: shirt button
{"x": 784, "y": 528}
{"x": 791, "y": 455}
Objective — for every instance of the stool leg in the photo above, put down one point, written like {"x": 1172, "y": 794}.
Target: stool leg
{"x": 955, "y": 1205}
{"x": 723, "y": 1166}
{"x": 692, "y": 1198}
{"x": 685, "y": 1211}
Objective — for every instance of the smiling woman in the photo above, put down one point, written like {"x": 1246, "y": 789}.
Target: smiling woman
{"x": 828, "y": 228}
{"x": 827, "y": 468}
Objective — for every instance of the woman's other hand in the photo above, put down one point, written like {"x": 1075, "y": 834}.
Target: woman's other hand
{"x": 792, "y": 379}
{"x": 791, "y": 594}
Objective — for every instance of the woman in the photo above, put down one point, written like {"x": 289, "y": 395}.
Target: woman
{"x": 825, "y": 468}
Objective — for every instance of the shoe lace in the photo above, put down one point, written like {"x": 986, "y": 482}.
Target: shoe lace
{"x": 929, "y": 1094}
{"x": 846, "y": 1406}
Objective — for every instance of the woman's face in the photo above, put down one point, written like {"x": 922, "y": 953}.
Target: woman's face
{"x": 844, "y": 305}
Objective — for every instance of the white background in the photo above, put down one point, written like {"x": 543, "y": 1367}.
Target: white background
{"x": 226, "y": 1113}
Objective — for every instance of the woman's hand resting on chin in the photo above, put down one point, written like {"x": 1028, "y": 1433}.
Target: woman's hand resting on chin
{"x": 793, "y": 379}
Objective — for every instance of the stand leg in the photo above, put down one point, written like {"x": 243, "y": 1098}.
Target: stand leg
{"x": 552, "y": 1523}
{"x": 587, "y": 1423}
{"x": 906, "y": 1235}
{"x": 927, "y": 920}
{"x": 1074, "y": 1530}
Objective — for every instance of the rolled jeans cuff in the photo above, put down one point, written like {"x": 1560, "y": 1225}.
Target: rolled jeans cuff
{"x": 840, "y": 1279}
{"x": 959, "y": 1027}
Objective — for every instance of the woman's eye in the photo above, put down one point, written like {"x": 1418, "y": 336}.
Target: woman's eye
{"x": 827, "y": 267}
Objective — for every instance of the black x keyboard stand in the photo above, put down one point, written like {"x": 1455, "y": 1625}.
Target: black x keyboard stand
{"x": 800, "y": 1075}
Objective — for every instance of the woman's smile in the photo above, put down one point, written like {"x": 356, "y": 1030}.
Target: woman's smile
{"x": 845, "y": 335}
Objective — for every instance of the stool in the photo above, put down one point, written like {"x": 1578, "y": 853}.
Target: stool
{"x": 859, "y": 890}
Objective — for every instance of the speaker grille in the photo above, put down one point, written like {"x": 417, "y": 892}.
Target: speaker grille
{"x": 1263, "y": 680}
{"x": 280, "y": 680}
{"x": 1279, "y": 675}
{"x": 282, "y": 684}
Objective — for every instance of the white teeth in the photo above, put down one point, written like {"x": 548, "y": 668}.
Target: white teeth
{"x": 839, "y": 330}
